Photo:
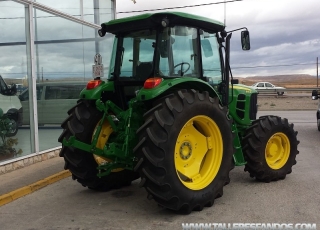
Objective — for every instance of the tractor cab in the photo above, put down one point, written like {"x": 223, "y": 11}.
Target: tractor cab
{"x": 179, "y": 51}
{"x": 164, "y": 46}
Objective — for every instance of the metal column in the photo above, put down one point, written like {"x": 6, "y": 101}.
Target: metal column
{"x": 32, "y": 79}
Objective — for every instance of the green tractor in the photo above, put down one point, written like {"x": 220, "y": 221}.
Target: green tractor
{"x": 171, "y": 113}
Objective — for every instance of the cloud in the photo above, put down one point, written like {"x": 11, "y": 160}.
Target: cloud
{"x": 280, "y": 31}
{"x": 284, "y": 35}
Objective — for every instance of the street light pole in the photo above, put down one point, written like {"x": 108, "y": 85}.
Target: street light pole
{"x": 225, "y": 13}
{"x": 317, "y": 74}
{"x": 96, "y": 13}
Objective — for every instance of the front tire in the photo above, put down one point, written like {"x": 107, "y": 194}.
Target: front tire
{"x": 82, "y": 122}
{"x": 270, "y": 148}
{"x": 14, "y": 130}
{"x": 185, "y": 151}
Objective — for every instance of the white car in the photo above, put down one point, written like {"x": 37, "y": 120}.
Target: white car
{"x": 260, "y": 86}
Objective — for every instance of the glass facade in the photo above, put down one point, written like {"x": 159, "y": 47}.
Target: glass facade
{"x": 44, "y": 71}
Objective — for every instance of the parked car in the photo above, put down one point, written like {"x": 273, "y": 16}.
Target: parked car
{"x": 10, "y": 105}
{"x": 260, "y": 86}
{"x": 54, "y": 99}
{"x": 20, "y": 88}
{"x": 316, "y": 96}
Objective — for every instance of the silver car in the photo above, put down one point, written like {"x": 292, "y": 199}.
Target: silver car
{"x": 267, "y": 87}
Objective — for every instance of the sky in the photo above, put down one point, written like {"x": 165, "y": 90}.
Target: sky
{"x": 285, "y": 34}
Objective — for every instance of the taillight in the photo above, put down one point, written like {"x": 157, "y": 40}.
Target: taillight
{"x": 152, "y": 82}
{"x": 93, "y": 84}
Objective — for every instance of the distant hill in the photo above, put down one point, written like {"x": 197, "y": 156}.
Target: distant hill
{"x": 288, "y": 81}
{"x": 282, "y": 78}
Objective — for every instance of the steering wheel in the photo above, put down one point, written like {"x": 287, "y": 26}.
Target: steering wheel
{"x": 181, "y": 73}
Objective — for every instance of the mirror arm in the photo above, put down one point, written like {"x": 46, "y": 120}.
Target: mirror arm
{"x": 237, "y": 30}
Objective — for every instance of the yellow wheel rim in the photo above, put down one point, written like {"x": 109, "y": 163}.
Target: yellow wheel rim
{"x": 104, "y": 135}
{"x": 277, "y": 150}
{"x": 198, "y": 152}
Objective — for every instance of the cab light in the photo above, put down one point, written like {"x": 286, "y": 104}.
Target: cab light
{"x": 151, "y": 83}
{"x": 93, "y": 84}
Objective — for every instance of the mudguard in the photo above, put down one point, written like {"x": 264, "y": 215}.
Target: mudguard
{"x": 168, "y": 85}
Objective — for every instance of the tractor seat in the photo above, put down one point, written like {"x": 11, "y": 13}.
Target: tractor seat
{"x": 143, "y": 70}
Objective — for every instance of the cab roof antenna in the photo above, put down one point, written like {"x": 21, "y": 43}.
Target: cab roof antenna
{"x": 225, "y": 13}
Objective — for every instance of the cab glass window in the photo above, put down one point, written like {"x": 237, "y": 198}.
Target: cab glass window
{"x": 137, "y": 55}
{"x": 210, "y": 57}
{"x": 179, "y": 53}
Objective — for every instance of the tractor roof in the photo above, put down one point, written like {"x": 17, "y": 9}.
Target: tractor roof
{"x": 145, "y": 21}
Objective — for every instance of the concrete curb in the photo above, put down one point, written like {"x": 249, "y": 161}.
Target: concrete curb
{"x": 16, "y": 194}
{"x": 30, "y": 159}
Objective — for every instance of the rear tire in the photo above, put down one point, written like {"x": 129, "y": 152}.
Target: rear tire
{"x": 270, "y": 148}
{"x": 185, "y": 151}
{"x": 318, "y": 124}
{"x": 81, "y": 122}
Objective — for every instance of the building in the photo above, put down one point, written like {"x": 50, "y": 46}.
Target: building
{"x": 46, "y": 41}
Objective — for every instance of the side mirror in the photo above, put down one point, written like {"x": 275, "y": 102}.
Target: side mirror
{"x": 12, "y": 89}
{"x": 234, "y": 81}
{"x": 315, "y": 95}
{"x": 245, "y": 40}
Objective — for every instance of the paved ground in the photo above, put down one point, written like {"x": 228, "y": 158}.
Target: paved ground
{"x": 68, "y": 205}
{"x": 30, "y": 174}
